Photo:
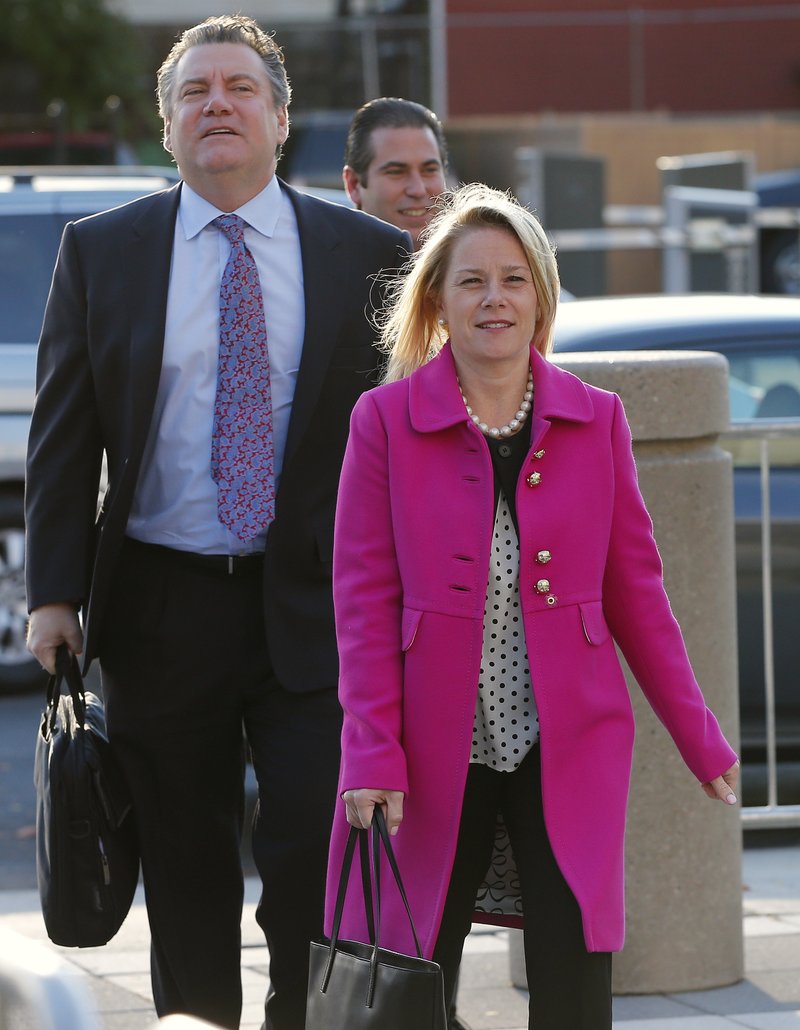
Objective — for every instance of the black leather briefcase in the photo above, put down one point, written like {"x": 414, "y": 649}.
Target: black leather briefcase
{"x": 87, "y": 860}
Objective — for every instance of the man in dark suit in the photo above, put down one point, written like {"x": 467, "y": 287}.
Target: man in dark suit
{"x": 201, "y": 625}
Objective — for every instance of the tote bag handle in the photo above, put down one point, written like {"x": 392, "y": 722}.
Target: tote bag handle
{"x": 380, "y": 837}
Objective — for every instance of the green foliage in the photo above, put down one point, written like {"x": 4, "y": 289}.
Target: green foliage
{"x": 78, "y": 51}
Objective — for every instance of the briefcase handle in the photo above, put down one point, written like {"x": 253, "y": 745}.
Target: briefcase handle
{"x": 380, "y": 836}
{"x": 67, "y": 671}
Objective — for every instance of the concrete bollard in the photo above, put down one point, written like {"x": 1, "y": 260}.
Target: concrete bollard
{"x": 683, "y": 852}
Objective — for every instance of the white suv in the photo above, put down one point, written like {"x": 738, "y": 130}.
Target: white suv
{"x": 35, "y": 204}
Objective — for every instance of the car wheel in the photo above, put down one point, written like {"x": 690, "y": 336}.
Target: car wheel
{"x": 18, "y": 670}
{"x": 780, "y": 264}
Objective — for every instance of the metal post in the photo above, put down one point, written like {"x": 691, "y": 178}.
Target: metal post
{"x": 769, "y": 660}
{"x": 57, "y": 113}
{"x": 438, "y": 57}
{"x": 636, "y": 58}
{"x": 370, "y": 64}
{"x": 675, "y": 267}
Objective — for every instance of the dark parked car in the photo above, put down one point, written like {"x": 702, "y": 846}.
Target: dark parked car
{"x": 760, "y": 337}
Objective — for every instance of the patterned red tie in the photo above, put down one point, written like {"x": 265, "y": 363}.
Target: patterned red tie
{"x": 241, "y": 443}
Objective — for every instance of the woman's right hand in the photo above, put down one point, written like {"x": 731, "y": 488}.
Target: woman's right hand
{"x": 361, "y": 804}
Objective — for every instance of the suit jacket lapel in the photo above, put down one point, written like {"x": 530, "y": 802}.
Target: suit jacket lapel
{"x": 149, "y": 255}
{"x": 146, "y": 255}
{"x": 324, "y": 279}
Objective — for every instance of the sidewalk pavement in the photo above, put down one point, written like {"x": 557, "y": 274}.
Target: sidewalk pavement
{"x": 117, "y": 977}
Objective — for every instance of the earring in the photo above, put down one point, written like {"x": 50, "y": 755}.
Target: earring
{"x": 442, "y": 321}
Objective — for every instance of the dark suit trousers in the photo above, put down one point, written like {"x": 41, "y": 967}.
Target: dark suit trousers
{"x": 570, "y": 988}
{"x": 184, "y": 666}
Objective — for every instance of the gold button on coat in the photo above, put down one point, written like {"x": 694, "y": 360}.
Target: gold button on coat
{"x": 539, "y": 454}
{"x": 543, "y": 557}
{"x": 534, "y": 479}
{"x": 543, "y": 586}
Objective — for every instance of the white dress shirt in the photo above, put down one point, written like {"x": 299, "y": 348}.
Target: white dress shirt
{"x": 175, "y": 503}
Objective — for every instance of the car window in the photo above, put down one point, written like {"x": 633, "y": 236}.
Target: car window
{"x": 765, "y": 383}
{"x": 770, "y": 382}
{"x": 28, "y": 248}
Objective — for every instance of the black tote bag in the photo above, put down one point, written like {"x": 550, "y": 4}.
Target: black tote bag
{"x": 87, "y": 859}
{"x": 357, "y": 986}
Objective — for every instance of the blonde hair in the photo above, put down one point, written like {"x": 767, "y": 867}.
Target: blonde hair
{"x": 410, "y": 331}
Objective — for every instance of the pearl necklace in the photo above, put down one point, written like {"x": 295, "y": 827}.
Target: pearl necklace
{"x": 513, "y": 424}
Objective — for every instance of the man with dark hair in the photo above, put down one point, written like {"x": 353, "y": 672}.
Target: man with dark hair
{"x": 395, "y": 162}
{"x": 210, "y": 341}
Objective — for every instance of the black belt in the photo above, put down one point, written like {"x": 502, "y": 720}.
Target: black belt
{"x": 214, "y": 564}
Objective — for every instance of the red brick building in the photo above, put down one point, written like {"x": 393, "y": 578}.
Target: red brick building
{"x": 681, "y": 56}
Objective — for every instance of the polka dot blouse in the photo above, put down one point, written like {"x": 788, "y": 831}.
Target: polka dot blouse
{"x": 506, "y": 721}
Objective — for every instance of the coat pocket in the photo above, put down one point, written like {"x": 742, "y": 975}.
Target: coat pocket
{"x": 595, "y": 627}
{"x": 411, "y": 621}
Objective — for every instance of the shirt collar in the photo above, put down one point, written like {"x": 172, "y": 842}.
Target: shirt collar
{"x": 261, "y": 213}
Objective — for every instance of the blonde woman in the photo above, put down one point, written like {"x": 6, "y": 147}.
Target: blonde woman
{"x": 491, "y": 546}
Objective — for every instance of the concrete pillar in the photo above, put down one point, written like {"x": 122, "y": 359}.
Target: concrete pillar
{"x": 683, "y": 852}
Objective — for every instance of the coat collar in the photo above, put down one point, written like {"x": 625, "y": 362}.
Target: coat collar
{"x": 435, "y": 400}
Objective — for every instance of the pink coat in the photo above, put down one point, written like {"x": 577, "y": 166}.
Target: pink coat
{"x": 411, "y": 559}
